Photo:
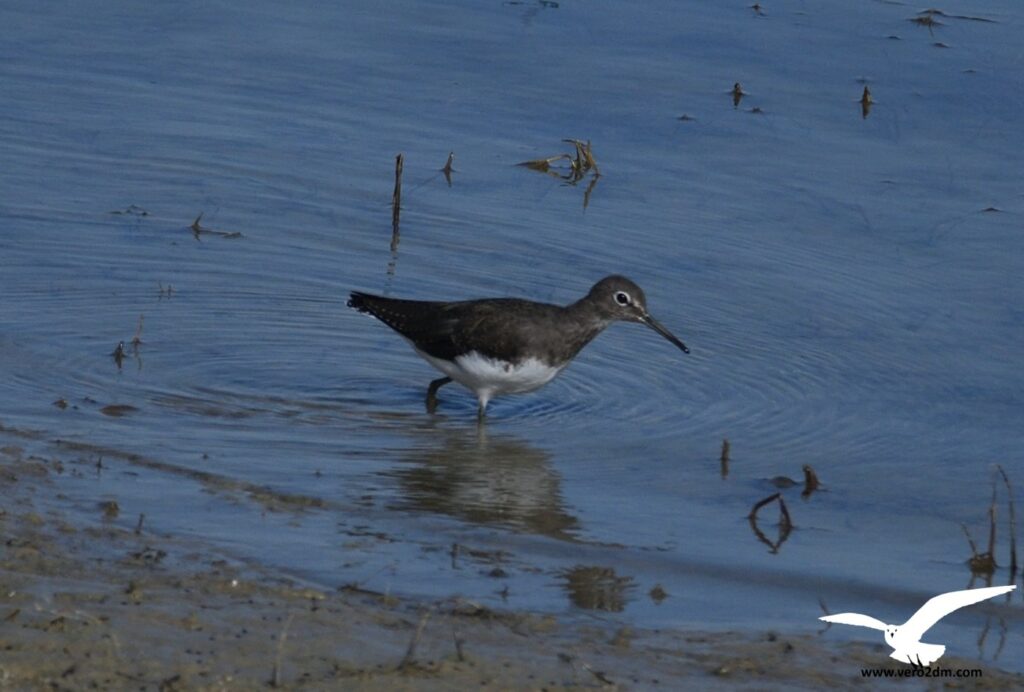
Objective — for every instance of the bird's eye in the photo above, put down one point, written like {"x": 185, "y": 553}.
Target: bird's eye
{"x": 622, "y": 298}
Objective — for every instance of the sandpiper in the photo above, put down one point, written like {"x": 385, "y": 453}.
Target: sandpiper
{"x": 499, "y": 346}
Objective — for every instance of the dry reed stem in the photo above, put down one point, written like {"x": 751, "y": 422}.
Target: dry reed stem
{"x": 410, "y": 653}
{"x": 1013, "y": 521}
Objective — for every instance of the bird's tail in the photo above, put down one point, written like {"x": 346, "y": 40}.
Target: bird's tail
{"x": 400, "y": 315}
{"x": 358, "y": 301}
{"x": 413, "y": 319}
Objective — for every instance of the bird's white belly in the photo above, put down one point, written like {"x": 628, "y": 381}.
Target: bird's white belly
{"x": 491, "y": 377}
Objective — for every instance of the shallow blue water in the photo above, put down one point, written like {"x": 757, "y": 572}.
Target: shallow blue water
{"x": 849, "y": 286}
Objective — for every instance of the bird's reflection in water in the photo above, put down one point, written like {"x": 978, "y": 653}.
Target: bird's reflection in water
{"x": 484, "y": 479}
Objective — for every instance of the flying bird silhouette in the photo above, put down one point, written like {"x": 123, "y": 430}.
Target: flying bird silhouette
{"x": 905, "y": 639}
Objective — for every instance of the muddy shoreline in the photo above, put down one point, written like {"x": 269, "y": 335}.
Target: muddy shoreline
{"x": 88, "y": 604}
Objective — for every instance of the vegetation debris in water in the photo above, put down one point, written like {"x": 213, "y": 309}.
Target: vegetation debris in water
{"x": 866, "y": 102}
{"x": 447, "y": 170}
{"x": 811, "y": 482}
{"x": 579, "y": 165}
{"x": 737, "y": 94}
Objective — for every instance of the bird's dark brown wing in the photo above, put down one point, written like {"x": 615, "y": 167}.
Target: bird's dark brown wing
{"x": 508, "y": 329}
{"x": 445, "y": 330}
{"x": 426, "y": 323}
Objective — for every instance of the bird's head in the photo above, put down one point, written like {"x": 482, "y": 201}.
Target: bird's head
{"x": 890, "y": 634}
{"x": 619, "y": 299}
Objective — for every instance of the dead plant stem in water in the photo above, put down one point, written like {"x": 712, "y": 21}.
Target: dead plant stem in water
{"x": 396, "y": 201}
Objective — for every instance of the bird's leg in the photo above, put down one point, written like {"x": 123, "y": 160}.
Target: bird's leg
{"x": 432, "y": 392}
{"x": 481, "y": 412}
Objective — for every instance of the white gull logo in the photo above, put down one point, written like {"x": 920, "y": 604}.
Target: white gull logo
{"x": 905, "y": 639}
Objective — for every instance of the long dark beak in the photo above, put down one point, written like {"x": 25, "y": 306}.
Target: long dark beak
{"x": 656, "y": 326}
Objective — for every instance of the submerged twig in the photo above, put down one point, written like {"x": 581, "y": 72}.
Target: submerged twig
{"x": 785, "y": 522}
{"x": 590, "y": 188}
{"x": 198, "y": 229}
{"x": 588, "y": 153}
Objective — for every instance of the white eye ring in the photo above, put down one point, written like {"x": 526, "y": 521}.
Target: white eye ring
{"x": 622, "y": 298}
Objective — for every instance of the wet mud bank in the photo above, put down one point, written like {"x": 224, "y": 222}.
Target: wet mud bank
{"x": 85, "y": 603}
